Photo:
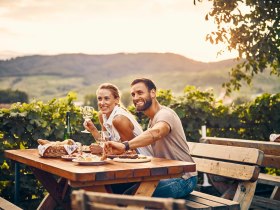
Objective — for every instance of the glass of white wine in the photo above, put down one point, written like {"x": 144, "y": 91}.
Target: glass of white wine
{"x": 87, "y": 112}
{"x": 104, "y": 136}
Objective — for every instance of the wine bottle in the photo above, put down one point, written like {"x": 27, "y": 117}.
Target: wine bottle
{"x": 67, "y": 129}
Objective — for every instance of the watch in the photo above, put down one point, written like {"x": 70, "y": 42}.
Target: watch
{"x": 126, "y": 144}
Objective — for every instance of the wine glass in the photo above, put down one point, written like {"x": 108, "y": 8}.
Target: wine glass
{"x": 87, "y": 112}
{"x": 104, "y": 136}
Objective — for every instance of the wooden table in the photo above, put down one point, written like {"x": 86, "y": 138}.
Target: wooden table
{"x": 95, "y": 178}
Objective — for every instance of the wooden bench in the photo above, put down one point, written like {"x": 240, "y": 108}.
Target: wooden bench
{"x": 85, "y": 200}
{"x": 271, "y": 159}
{"x": 239, "y": 165}
{"x": 6, "y": 205}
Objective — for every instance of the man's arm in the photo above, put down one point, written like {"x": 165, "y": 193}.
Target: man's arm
{"x": 157, "y": 132}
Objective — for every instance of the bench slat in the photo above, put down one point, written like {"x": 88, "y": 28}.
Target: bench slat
{"x": 265, "y": 203}
{"x": 82, "y": 198}
{"x": 229, "y": 170}
{"x": 269, "y": 179}
{"x": 271, "y": 161}
{"x": 197, "y": 206}
{"x": 234, "y": 154}
{"x": 229, "y": 203}
{"x": 211, "y": 203}
{"x": 269, "y": 148}
{"x": 6, "y": 205}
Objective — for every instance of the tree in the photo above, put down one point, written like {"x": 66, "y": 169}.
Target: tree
{"x": 91, "y": 100}
{"x": 12, "y": 96}
{"x": 252, "y": 28}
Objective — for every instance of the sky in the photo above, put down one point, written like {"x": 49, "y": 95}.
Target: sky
{"x": 50, "y": 27}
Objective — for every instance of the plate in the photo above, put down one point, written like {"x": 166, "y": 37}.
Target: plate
{"x": 89, "y": 163}
{"x": 137, "y": 160}
{"x": 68, "y": 157}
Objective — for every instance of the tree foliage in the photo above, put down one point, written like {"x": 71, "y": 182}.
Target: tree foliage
{"x": 252, "y": 28}
{"x": 12, "y": 96}
{"x": 22, "y": 124}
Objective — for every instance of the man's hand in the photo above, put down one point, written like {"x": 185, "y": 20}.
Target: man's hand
{"x": 113, "y": 148}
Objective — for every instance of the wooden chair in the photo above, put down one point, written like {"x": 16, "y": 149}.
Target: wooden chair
{"x": 238, "y": 165}
{"x": 85, "y": 200}
{"x": 271, "y": 152}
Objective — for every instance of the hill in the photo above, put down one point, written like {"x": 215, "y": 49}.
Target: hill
{"x": 45, "y": 77}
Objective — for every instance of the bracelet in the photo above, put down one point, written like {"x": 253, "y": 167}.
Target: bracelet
{"x": 126, "y": 144}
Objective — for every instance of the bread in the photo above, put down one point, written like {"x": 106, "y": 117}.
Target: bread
{"x": 56, "y": 143}
{"x": 43, "y": 142}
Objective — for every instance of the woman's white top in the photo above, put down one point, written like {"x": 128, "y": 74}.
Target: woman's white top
{"x": 114, "y": 134}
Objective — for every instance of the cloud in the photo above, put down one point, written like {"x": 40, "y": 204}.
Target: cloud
{"x": 7, "y": 32}
{"x": 105, "y": 26}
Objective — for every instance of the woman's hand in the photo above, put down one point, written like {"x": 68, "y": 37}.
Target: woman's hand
{"x": 113, "y": 148}
{"x": 89, "y": 126}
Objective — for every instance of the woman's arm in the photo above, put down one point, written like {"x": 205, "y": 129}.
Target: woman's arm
{"x": 124, "y": 127}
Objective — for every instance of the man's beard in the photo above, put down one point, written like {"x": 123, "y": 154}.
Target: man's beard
{"x": 147, "y": 104}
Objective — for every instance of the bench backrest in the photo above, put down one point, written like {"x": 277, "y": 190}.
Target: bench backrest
{"x": 227, "y": 161}
{"x": 271, "y": 150}
{"x": 85, "y": 200}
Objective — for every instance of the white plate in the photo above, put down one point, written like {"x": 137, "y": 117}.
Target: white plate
{"x": 89, "y": 163}
{"x": 137, "y": 160}
{"x": 68, "y": 157}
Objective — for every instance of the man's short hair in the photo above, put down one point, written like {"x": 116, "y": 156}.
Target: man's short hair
{"x": 149, "y": 83}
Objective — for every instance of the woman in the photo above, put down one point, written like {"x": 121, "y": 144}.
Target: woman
{"x": 120, "y": 124}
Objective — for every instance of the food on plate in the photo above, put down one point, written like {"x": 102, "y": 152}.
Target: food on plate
{"x": 128, "y": 156}
{"x": 70, "y": 157}
{"x": 85, "y": 148}
{"x": 88, "y": 158}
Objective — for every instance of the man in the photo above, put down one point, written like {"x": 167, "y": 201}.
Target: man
{"x": 166, "y": 136}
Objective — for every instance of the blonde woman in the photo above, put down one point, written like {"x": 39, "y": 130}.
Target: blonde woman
{"x": 117, "y": 121}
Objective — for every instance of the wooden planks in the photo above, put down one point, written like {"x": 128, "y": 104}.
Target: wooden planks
{"x": 6, "y": 205}
{"x": 269, "y": 179}
{"x": 226, "y": 169}
{"x": 91, "y": 200}
{"x": 233, "y": 154}
{"x": 271, "y": 159}
{"x": 270, "y": 149}
{"x": 212, "y": 202}
{"x": 240, "y": 165}
{"x": 110, "y": 171}
{"x": 265, "y": 203}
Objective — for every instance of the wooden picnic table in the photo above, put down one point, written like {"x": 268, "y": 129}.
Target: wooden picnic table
{"x": 95, "y": 178}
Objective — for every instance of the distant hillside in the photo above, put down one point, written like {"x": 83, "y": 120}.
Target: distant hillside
{"x": 45, "y": 77}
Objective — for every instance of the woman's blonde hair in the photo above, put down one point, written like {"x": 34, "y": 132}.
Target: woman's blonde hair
{"x": 112, "y": 88}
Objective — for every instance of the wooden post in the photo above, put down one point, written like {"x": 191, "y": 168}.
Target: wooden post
{"x": 203, "y": 131}
{"x": 17, "y": 183}
{"x": 205, "y": 178}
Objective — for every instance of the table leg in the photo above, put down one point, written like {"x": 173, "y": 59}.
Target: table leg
{"x": 56, "y": 189}
{"x": 99, "y": 188}
{"x": 147, "y": 188}
{"x": 17, "y": 183}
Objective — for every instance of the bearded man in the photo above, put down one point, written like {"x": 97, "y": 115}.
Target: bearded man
{"x": 165, "y": 134}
